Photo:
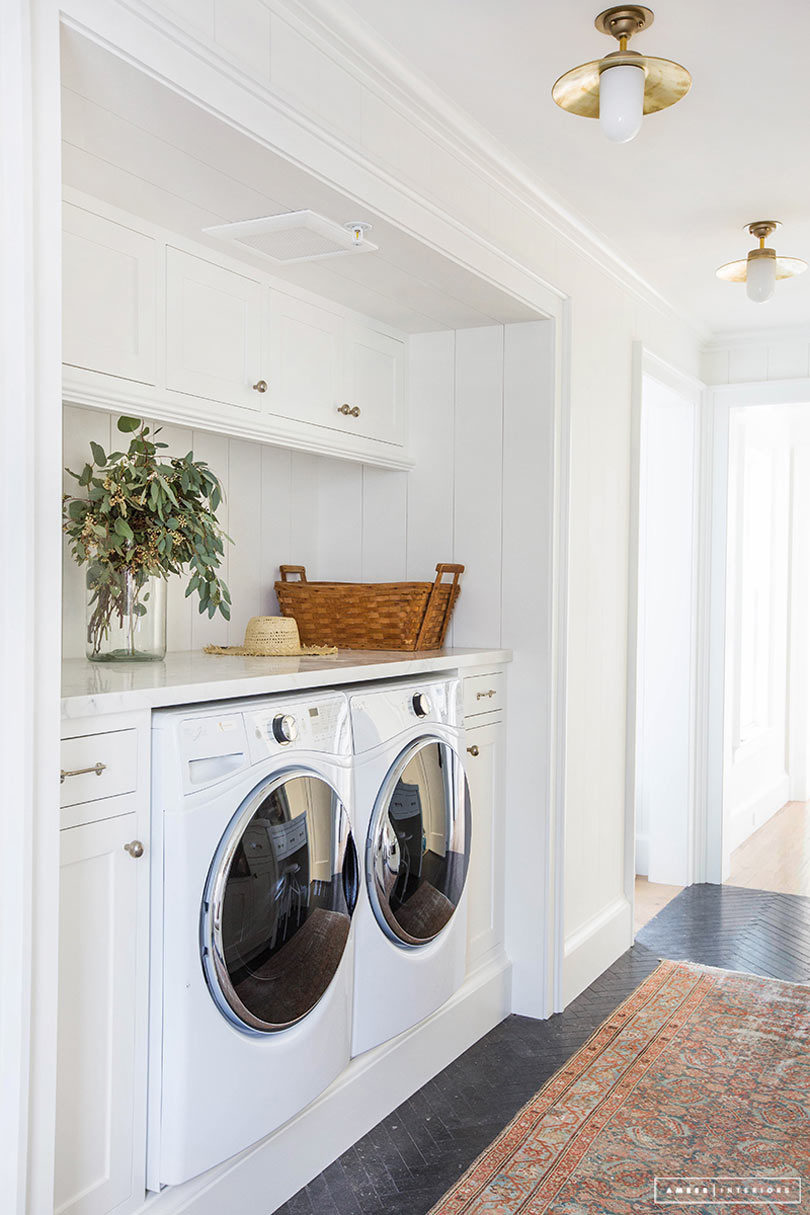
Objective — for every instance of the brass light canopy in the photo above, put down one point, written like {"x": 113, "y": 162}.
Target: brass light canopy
{"x": 785, "y": 267}
{"x": 665, "y": 81}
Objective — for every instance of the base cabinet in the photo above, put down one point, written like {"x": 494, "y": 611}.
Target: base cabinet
{"x": 100, "y": 1111}
{"x": 485, "y": 765}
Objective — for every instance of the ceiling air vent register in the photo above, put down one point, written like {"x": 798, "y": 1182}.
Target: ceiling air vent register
{"x": 296, "y": 236}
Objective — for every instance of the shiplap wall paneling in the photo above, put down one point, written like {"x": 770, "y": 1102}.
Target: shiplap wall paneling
{"x": 478, "y": 483}
{"x": 528, "y": 487}
{"x": 431, "y": 379}
{"x": 214, "y": 449}
{"x": 385, "y": 525}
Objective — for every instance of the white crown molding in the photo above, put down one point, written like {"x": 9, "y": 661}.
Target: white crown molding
{"x": 353, "y": 47}
{"x": 763, "y": 336}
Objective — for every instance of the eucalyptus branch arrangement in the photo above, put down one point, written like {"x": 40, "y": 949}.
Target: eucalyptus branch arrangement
{"x": 144, "y": 515}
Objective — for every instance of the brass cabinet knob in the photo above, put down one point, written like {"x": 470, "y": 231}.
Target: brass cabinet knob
{"x": 474, "y": 751}
{"x": 260, "y": 386}
{"x": 135, "y": 849}
{"x": 349, "y": 411}
{"x": 483, "y": 695}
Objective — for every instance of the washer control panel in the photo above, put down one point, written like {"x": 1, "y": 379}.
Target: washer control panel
{"x": 316, "y": 724}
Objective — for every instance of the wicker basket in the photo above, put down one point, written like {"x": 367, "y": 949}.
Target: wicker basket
{"x": 370, "y": 615}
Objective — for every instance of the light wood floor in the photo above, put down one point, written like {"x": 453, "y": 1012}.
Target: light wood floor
{"x": 777, "y": 856}
{"x": 650, "y": 898}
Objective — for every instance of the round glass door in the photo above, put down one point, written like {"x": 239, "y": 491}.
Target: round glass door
{"x": 278, "y": 903}
{"x": 419, "y": 843}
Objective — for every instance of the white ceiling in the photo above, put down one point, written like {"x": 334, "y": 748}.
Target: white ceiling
{"x": 141, "y": 147}
{"x": 673, "y": 202}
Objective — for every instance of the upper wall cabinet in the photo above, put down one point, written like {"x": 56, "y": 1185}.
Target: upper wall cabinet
{"x": 110, "y": 296}
{"x": 213, "y": 331}
{"x": 158, "y": 327}
{"x": 305, "y": 359}
{"x": 376, "y": 383}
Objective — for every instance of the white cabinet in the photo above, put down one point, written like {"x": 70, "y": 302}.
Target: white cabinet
{"x": 375, "y": 384}
{"x": 213, "y": 331}
{"x": 485, "y": 761}
{"x": 158, "y": 327}
{"x": 305, "y": 360}
{"x": 109, "y": 314}
{"x": 100, "y": 1110}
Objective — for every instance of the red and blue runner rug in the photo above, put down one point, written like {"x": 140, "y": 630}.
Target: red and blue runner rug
{"x": 694, "y": 1095}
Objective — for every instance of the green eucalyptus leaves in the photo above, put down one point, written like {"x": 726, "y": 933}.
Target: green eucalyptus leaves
{"x": 145, "y": 515}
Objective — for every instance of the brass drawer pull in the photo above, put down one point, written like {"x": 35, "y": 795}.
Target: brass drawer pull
{"x": 348, "y": 411}
{"x": 260, "y": 386}
{"x": 135, "y": 849}
{"x": 97, "y": 768}
{"x": 481, "y": 695}
{"x": 474, "y": 751}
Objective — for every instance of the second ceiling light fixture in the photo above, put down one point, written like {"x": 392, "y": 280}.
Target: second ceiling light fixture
{"x": 624, "y": 86}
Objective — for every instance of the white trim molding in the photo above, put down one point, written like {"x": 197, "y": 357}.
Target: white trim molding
{"x": 595, "y": 944}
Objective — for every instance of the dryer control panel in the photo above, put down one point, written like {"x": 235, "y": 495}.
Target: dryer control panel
{"x": 385, "y": 713}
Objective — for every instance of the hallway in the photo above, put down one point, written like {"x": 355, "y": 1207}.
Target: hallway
{"x": 777, "y": 856}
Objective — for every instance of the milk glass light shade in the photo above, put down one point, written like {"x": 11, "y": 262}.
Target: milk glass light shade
{"x": 760, "y": 278}
{"x": 621, "y": 102}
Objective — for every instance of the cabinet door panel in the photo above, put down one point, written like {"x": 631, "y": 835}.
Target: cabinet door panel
{"x": 213, "y": 331}
{"x": 375, "y": 384}
{"x": 109, "y": 313}
{"x": 305, "y": 361}
{"x": 485, "y": 876}
{"x": 97, "y": 1106}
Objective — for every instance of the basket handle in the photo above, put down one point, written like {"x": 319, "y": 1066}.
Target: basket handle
{"x": 442, "y": 568}
{"x": 284, "y": 570}
{"x": 445, "y": 567}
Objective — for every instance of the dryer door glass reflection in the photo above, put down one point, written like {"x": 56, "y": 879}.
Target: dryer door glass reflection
{"x": 420, "y": 843}
{"x": 279, "y": 904}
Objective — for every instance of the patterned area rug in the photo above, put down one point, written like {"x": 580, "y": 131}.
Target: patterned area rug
{"x": 700, "y": 1079}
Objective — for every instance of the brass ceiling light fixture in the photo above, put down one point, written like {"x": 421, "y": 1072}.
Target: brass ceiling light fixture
{"x": 760, "y": 270}
{"x": 624, "y": 86}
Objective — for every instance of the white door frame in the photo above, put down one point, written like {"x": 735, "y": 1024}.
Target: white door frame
{"x": 30, "y": 476}
{"x": 722, "y": 400}
{"x": 30, "y": 484}
{"x": 646, "y": 364}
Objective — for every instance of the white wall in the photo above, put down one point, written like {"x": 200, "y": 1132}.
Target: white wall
{"x": 756, "y": 780}
{"x": 756, "y": 357}
{"x": 664, "y": 720}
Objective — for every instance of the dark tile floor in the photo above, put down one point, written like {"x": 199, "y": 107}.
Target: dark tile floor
{"x": 405, "y": 1164}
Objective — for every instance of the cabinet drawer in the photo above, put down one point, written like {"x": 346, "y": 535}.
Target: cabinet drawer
{"x": 484, "y": 694}
{"x": 112, "y": 760}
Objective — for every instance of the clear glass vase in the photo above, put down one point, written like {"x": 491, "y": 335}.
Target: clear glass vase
{"x": 126, "y": 616}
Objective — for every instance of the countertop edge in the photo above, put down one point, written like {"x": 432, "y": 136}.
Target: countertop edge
{"x": 94, "y": 704}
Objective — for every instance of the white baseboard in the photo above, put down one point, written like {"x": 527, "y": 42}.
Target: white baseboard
{"x": 262, "y": 1178}
{"x": 597, "y": 943}
{"x": 749, "y": 817}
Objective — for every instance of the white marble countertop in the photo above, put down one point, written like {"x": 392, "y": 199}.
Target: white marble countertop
{"x": 188, "y": 677}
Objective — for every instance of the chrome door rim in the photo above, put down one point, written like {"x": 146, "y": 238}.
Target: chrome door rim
{"x": 385, "y": 918}
{"x": 212, "y": 951}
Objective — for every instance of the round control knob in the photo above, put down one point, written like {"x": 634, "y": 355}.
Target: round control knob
{"x": 284, "y": 728}
{"x": 421, "y": 704}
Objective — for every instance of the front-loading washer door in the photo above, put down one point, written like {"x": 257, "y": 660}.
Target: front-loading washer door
{"x": 418, "y": 848}
{"x": 278, "y": 902}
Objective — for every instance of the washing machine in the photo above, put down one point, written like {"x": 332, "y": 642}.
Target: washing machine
{"x": 254, "y": 886}
{"x": 412, "y": 808}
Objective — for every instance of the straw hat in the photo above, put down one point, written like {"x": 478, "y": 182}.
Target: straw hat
{"x": 267, "y": 636}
